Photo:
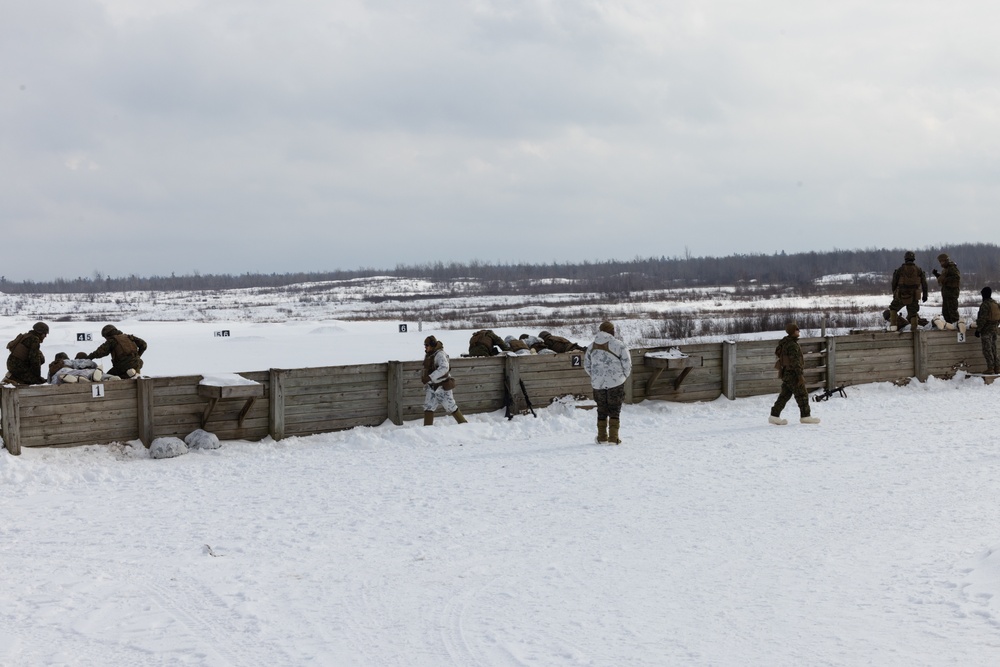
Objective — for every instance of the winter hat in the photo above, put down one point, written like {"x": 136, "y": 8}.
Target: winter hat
{"x": 790, "y": 327}
{"x": 943, "y": 257}
{"x": 40, "y": 327}
{"x": 607, "y": 327}
{"x": 430, "y": 341}
{"x": 987, "y": 292}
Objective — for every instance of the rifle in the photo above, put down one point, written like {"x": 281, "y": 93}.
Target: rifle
{"x": 508, "y": 402}
{"x": 526, "y": 399}
{"x": 825, "y": 395}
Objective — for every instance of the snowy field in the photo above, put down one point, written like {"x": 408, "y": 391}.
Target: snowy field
{"x": 708, "y": 538}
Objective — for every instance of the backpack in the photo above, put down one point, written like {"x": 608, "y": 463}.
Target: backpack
{"x": 482, "y": 337}
{"x": 909, "y": 276}
{"x": 14, "y": 343}
{"x": 994, "y": 314}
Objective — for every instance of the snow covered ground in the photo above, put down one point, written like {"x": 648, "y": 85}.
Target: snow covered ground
{"x": 708, "y": 538}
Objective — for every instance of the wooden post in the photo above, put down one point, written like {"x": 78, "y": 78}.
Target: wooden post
{"x": 10, "y": 405}
{"x": 630, "y": 383}
{"x": 512, "y": 376}
{"x": 394, "y": 397}
{"x": 276, "y": 405}
{"x": 144, "y": 398}
{"x": 729, "y": 369}
{"x": 831, "y": 363}
{"x": 920, "y": 354}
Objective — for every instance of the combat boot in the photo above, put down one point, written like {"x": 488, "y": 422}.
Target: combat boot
{"x": 808, "y": 420}
{"x": 459, "y": 417}
{"x": 602, "y": 431}
{"x": 613, "y": 432}
{"x": 776, "y": 420}
{"x": 428, "y": 417}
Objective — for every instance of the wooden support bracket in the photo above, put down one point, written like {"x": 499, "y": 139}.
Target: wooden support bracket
{"x": 250, "y": 392}
{"x": 659, "y": 364}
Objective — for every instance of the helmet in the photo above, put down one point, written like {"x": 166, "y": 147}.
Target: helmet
{"x": 607, "y": 327}
{"x": 40, "y": 327}
{"x": 430, "y": 341}
{"x": 943, "y": 257}
{"x": 544, "y": 334}
{"x": 790, "y": 327}
{"x": 108, "y": 330}
{"x": 909, "y": 256}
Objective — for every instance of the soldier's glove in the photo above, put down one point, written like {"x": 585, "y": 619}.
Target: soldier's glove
{"x": 425, "y": 378}
{"x": 935, "y": 273}
{"x": 977, "y": 334}
{"x": 924, "y": 300}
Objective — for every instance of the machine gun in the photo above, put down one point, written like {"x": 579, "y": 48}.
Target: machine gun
{"x": 825, "y": 395}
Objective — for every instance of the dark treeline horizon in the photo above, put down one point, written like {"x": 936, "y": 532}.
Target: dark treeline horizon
{"x": 978, "y": 262}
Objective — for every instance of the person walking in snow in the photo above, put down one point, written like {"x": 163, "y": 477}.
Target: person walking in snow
{"x": 608, "y": 362}
{"x": 909, "y": 288}
{"x": 950, "y": 280}
{"x": 987, "y": 321}
{"x": 790, "y": 367}
{"x": 25, "y": 361}
{"x": 438, "y": 382}
{"x": 125, "y": 349}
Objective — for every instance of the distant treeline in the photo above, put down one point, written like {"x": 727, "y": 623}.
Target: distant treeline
{"x": 979, "y": 263}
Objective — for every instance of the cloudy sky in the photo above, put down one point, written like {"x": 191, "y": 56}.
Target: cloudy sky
{"x": 223, "y": 136}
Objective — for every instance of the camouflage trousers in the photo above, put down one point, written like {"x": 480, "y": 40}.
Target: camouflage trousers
{"x": 949, "y": 305}
{"x": 911, "y": 308}
{"x": 989, "y": 342}
{"x": 609, "y": 402}
{"x": 792, "y": 384}
{"x": 439, "y": 398}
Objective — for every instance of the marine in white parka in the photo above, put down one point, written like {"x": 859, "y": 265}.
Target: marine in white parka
{"x": 608, "y": 363}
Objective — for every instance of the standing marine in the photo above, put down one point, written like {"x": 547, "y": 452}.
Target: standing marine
{"x": 25, "y": 361}
{"x": 608, "y": 363}
{"x": 987, "y": 321}
{"x": 438, "y": 382}
{"x": 950, "y": 280}
{"x": 791, "y": 365}
{"x": 909, "y": 288}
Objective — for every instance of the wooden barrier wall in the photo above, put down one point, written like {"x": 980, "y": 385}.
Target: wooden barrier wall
{"x": 304, "y": 401}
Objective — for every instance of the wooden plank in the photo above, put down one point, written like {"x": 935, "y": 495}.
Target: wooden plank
{"x": 276, "y": 406}
{"x": 144, "y": 408}
{"x": 394, "y": 388}
{"x": 10, "y": 413}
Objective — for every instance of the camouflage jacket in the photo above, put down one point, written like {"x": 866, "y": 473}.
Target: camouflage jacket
{"x": 951, "y": 278}
{"x": 909, "y": 283}
{"x": 985, "y": 318}
{"x": 484, "y": 343}
{"x": 121, "y": 347}
{"x": 789, "y": 355}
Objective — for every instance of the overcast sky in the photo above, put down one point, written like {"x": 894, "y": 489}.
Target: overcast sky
{"x": 231, "y": 136}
